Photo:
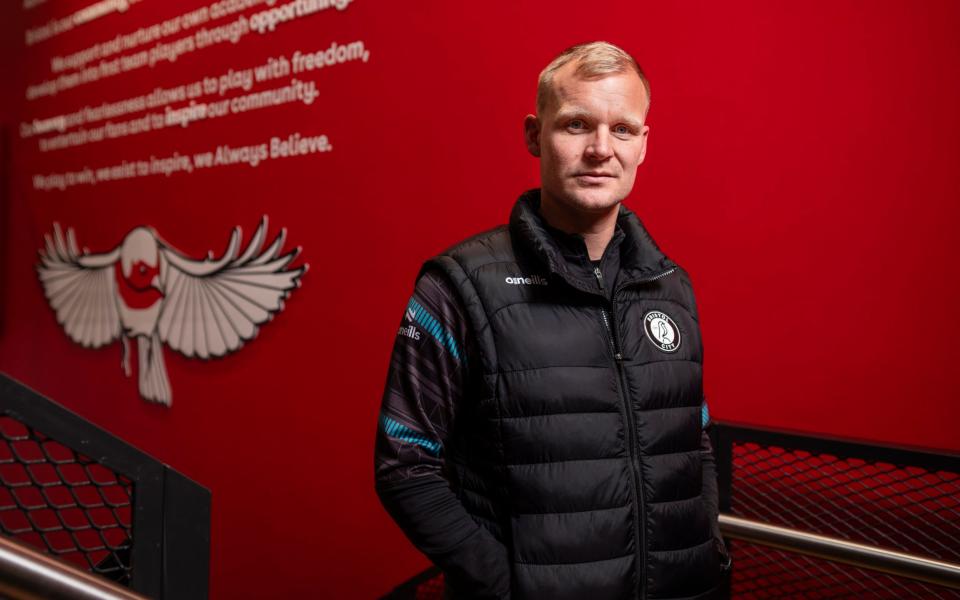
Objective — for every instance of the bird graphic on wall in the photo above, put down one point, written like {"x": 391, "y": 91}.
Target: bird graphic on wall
{"x": 148, "y": 292}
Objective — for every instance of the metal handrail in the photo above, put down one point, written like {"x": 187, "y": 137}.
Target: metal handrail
{"x": 28, "y": 574}
{"x": 842, "y": 551}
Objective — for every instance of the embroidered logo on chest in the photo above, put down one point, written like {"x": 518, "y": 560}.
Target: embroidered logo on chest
{"x": 662, "y": 331}
{"x": 527, "y": 280}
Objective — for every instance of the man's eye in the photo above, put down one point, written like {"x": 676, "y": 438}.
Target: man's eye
{"x": 576, "y": 124}
{"x": 621, "y": 129}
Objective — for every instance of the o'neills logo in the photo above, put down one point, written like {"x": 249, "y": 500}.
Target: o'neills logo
{"x": 532, "y": 280}
{"x": 409, "y": 331}
{"x": 662, "y": 331}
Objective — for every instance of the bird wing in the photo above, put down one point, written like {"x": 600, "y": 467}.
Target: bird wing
{"x": 81, "y": 289}
{"x": 212, "y": 306}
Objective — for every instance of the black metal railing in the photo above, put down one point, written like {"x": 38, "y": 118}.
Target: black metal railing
{"x": 881, "y": 497}
{"x": 895, "y": 498}
{"x": 88, "y": 498}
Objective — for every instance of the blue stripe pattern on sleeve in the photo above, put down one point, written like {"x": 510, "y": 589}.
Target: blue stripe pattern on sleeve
{"x": 433, "y": 327}
{"x": 401, "y": 432}
{"x": 704, "y": 415}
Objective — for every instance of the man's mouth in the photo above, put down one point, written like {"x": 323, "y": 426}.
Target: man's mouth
{"x": 594, "y": 177}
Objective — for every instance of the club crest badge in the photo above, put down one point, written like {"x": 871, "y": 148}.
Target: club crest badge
{"x": 662, "y": 331}
{"x": 148, "y": 292}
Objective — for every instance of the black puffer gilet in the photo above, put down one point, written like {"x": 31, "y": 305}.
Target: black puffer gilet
{"x": 580, "y": 451}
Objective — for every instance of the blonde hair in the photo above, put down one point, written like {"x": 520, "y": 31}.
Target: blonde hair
{"x": 594, "y": 61}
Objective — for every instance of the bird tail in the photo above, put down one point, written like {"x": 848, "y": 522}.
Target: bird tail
{"x": 154, "y": 383}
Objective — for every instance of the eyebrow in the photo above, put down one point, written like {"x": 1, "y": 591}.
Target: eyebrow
{"x": 582, "y": 113}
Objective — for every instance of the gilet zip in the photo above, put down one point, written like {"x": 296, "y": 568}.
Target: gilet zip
{"x": 635, "y": 464}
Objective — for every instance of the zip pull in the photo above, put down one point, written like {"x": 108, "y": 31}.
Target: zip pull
{"x": 599, "y": 276}
{"x": 661, "y": 275}
{"x": 613, "y": 341}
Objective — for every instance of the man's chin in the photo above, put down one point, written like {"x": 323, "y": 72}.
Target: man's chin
{"x": 592, "y": 200}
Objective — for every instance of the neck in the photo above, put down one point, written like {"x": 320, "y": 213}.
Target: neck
{"x": 596, "y": 227}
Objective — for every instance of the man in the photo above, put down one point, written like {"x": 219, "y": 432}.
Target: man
{"x": 542, "y": 429}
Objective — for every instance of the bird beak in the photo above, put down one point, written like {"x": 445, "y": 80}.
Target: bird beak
{"x": 155, "y": 282}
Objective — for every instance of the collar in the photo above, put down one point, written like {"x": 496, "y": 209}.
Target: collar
{"x": 640, "y": 257}
{"x": 572, "y": 245}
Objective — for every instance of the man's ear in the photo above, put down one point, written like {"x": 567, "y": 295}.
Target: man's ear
{"x": 531, "y": 134}
{"x": 643, "y": 150}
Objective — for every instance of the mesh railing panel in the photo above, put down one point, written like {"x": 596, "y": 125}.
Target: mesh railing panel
{"x": 64, "y": 503}
{"x": 898, "y": 507}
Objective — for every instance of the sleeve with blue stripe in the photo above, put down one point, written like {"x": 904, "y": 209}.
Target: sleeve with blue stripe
{"x": 711, "y": 491}
{"x": 427, "y": 377}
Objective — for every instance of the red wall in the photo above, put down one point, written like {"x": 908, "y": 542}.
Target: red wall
{"x": 802, "y": 165}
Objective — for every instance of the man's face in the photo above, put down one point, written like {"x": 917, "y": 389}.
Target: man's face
{"x": 590, "y": 139}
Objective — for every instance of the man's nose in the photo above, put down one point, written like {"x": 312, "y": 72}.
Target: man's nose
{"x": 600, "y": 147}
